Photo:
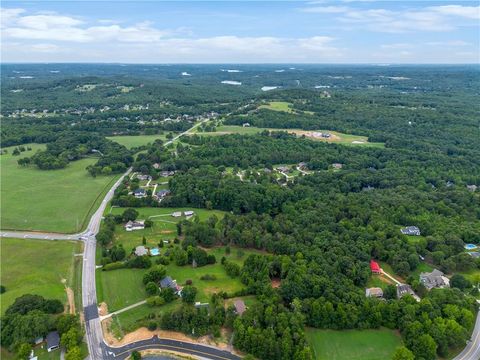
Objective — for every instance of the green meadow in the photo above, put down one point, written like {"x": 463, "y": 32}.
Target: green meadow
{"x": 278, "y": 106}
{"x": 49, "y": 200}
{"x": 353, "y": 344}
{"x": 131, "y": 141}
{"x": 41, "y": 267}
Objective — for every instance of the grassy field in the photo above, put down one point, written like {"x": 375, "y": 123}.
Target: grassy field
{"x": 37, "y": 267}
{"x": 112, "y": 285}
{"x": 164, "y": 225}
{"x": 278, "y": 106}
{"x": 131, "y": 141}
{"x": 120, "y": 288}
{"x": 337, "y": 137}
{"x": 50, "y": 200}
{"x": 353, "y": 344}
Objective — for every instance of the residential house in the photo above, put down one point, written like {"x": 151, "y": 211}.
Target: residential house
{"x": 411, "y": 230}
{"x": 302, "y": 166}
{"x": 140, "y": 193}
{"x": 167, "y": 173}
{"x": 435, "y": 279}
{"x": 53, "y": 341}
{"x": 168, "y": 282}
{"x": 188, "y": 213}
{"x": 375, "y": 268}
{"x": 239, "y": 307}
{"x": 199, "y": 305}
{"x": 156, "y": 166}
{"x": 404, "y": 289}
{"x": 162, "y": 193}
{"x": 246, "y": 124}
{"x": 135, "y": 225}
{"x": 474, "y": 254}
{"x": 141, "y": 250}
{"x": 283, "y": 169}
{"x": 143, "y": 177}
{"x": 472, "y": 188}
{"x": 374, "y": 292}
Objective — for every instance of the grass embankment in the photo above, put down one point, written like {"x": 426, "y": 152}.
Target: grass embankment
{"x": 48, "y": 200}
{"x": 42, "y": 267}
{"x": 131, "y": 141}
{"x": 353, "y": 344}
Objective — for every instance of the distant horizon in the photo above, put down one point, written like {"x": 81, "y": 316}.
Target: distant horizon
{"x": 233, "y": 63}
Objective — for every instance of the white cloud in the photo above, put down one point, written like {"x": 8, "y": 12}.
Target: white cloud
{"x": 448, "y": 43}
{"x": 48, "y": 48}
{"x": 434, "y": 18}
{"x": 44, "y": 22}
{"x": 469, "y": 12}
{"x": 9, "y": 16}
{"x": 396, "y": 46}
{"x": 326, "y": 9}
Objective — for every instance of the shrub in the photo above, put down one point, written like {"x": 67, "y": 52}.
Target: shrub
{"x": 114, "y": 266}
{"x": 208, "y": 277}
{"x": 152, "y": 325}
{"x": 155, "y": 301}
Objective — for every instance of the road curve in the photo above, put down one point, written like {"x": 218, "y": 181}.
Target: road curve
{"x": 203, "y": 351}
{"x": 472, "y": 350}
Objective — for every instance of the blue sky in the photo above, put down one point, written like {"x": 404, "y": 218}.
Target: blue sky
{"x": 324, "y": 31}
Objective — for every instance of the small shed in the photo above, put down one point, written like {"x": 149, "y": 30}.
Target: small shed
{"x": 239, "y": 307}
{"x": 374, "y": 267}
{"x": 141, "y": 250}
{"x": 53, "y": 341}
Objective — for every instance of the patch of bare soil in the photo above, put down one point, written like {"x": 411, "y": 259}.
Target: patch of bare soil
{"x": 143, "y": 334}
{"x": 316, "y": 135}
{"x": 103, "y": 309}
{"x": 71, "y": 300}
{"x": 276, "y": 283}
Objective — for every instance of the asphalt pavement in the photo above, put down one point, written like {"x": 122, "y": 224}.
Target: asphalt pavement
{"x": 472, "y": 350}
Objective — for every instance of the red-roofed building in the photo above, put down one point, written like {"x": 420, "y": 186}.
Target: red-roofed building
{"x": 375, "y": 267}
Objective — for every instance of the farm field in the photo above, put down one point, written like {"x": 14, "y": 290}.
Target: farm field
{"x": 58, "y": 200}
{"x": 337, "y": 137}
{"x": 37, "y": 267}
{"x": 362, "y": 344}
{"x": 278, "y": 106}
{"x": 131, "y": 141}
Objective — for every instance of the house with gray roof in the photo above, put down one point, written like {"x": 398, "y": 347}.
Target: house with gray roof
{"x": 141, "y": 250}
{"x": 53, "y": 341}
{"x": 435, "y": 279}
{"x": 411, "y": 230}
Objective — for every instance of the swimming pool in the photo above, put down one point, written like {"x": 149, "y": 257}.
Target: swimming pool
{"x": 155, "y": 252}
{"x": 470, "y": 246}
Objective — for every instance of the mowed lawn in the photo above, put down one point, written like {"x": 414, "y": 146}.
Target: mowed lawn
{"x": 120, "y": 288}
{"x": 340, "y": 138}
{"x": 353, "y": 344}
{"x": 123, "y": 287}
{"x": 131, "y": 141}
{"x": 49, "y": 200}
{"x": 278, "y": 106}
{"x": 36, "y": 267}
{"x": 164, "y": 225}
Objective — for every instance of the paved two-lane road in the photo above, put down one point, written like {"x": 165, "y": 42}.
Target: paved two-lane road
{"x": 472, "y": 350}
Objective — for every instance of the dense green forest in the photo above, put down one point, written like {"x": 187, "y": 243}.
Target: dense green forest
{"x": 320, "y": 230}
